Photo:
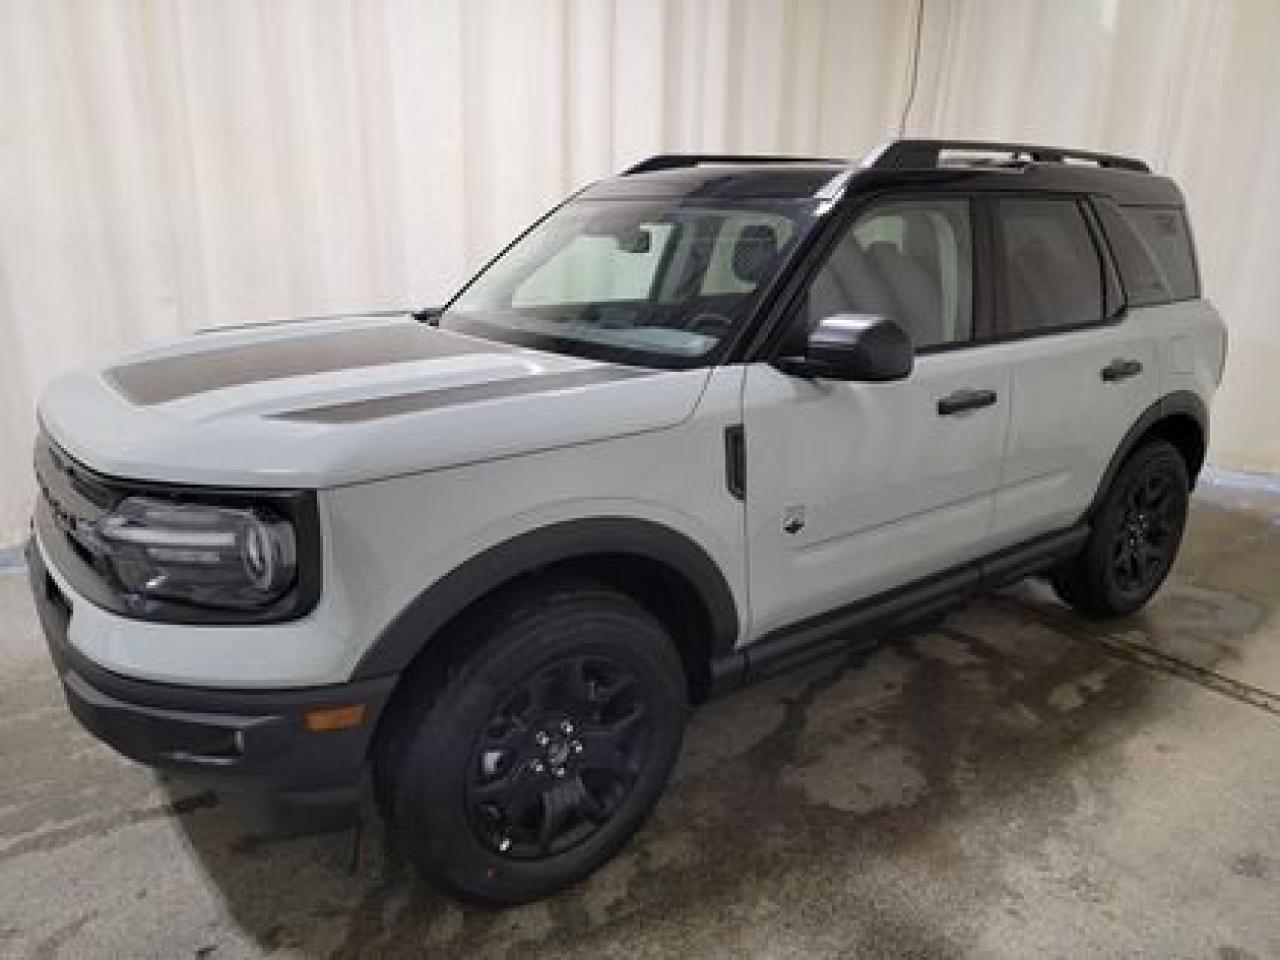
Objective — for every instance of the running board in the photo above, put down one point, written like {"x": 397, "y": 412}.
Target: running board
{"x": 867, "y": 622}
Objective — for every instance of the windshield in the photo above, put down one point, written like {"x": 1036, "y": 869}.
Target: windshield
{"x": 650, "y": 282}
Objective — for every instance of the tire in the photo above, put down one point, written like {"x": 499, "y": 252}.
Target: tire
{"x": 525, "y": 760}
{"x": 1135, "y": 537}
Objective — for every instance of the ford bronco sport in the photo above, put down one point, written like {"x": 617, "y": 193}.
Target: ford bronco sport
{"x": 705, "y": 420}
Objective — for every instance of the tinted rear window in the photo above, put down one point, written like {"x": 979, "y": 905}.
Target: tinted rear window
{"x": 1143, "y": 279}
{"x": 1164, "y": 231}
{"x": 1052, "y": 273}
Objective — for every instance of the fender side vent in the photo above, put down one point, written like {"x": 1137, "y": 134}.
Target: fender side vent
{"x": 735, "y": 461}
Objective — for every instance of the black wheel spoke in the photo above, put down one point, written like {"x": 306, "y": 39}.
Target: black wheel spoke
{"x": 577, "y": 683}
{"x": 559, "y": 757}
{"x": 607, "y": 693}
{"x": 558, "y": 807}
{"x": 1161, "y": 502}
{"x": 506, "y": 738}
{"x": 1134, "y": 501}
{"x": 588, "y": 806}
{"x": 514, "y": 792}
{"x": 544, "y": 691}
{"x": 604, "y": 745}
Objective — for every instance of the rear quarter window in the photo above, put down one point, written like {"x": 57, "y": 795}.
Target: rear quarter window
{"x": 1143, "y": 279}
{"x": 1164, "y": 231}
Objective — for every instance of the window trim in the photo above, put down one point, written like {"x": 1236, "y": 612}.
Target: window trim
{"x": 1115, "y": 301}
{"x": 1001, "y": 333}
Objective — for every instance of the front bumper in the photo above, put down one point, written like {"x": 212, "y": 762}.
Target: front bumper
{"x": 253, "y": 739}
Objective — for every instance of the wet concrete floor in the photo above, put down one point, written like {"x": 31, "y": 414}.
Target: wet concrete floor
{"x": 1017, "y": 783}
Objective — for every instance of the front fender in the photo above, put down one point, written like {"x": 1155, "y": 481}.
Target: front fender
{"x": 409, "y": 632}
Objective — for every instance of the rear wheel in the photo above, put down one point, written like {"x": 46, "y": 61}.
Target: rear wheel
{"x": 530, "y": 760}
{"x": 1135, "y": 536}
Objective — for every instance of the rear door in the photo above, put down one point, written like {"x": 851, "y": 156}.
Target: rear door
{"x": 1082, "y": 370}
{"x": 854, "y": 488}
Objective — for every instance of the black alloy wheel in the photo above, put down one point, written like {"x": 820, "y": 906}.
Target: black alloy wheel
{"x": 532, "y": 745}
{"x": 1150, "y": 527}
{"x": 559, "y": 757}
{"x": 1135, "y": 535}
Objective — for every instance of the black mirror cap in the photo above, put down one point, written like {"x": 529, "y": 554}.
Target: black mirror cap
{"x": 854, "y": 346}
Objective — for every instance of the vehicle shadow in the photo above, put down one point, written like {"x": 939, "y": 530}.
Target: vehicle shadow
{"x": 839, "y": 779}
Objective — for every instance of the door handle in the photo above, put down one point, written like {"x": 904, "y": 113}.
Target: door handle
{"x": 1121, "y": 369}
{"x": 963, "y": 400}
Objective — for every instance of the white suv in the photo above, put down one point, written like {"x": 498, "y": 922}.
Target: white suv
{"x": 705, "y": 420}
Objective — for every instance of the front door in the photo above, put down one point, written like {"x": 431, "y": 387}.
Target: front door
{"x": 854, "y": 488}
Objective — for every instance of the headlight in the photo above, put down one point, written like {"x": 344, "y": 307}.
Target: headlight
{"x": 240, "y": 558}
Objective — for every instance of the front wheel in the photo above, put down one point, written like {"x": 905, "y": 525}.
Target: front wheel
{"x": 532, "y": 759}
{"x": 1135, "y": 536}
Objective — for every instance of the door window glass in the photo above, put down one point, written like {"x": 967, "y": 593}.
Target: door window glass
{"x": 908, "y": 260}
{"x": 1052, "y": 273}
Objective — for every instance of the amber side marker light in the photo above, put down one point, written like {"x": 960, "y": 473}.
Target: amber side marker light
{"x": 325, "y": 719}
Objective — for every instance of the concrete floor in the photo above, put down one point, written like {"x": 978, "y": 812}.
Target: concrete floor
{"x": 1017, "y": 784}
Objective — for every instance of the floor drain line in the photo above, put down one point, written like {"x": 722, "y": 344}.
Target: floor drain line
{"x": 1151, "y": 658}
{"x": 1142, "y": 655}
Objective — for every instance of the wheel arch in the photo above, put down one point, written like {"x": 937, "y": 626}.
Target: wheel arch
{"x": 1181, "y": 418}
{"x": 662, "y": 569}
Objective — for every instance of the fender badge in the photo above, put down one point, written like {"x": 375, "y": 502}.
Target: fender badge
{"x": 793, "y": 519}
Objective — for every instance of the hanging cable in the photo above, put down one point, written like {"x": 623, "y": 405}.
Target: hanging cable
{"x": 914, "y": 78}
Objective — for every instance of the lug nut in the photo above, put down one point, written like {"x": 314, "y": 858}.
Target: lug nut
{"x": 558, "y": 771}
{"x": 537, "y": 766}
{"x": 541, "y": 738}
{"x": 504, "y": 844}
{"x": 566, "y": 727}
{"x": 577, "y": 746}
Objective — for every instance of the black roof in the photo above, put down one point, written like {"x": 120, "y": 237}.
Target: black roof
{"x": 796, "y": 181}
{"x": 898, "y": 164}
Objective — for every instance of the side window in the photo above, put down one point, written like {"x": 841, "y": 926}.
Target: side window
{"x": 593, "y": 268}
{"x": 1052, "y": 272}
{"x": 1164, "y": 230}
{"x": 908, "y": 260}
{"x": 1144, "y": 281}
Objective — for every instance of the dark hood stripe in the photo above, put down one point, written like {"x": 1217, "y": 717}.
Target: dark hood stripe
{"x": 173, "y": 378}
{"x": 359, "y": 411}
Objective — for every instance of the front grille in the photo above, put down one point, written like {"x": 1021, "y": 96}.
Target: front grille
{"x": 73, "y": 496}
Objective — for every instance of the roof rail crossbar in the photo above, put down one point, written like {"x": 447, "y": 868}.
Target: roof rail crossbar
{"x": 676, "y": 161}
{"x": 918, "y": 154}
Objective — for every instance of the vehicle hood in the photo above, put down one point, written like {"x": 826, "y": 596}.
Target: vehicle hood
{"x": 329, "y": 401}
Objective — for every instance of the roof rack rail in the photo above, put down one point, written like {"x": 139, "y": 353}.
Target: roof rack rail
{"x": 676, "y": 161}
{"x": 917, "y": 154}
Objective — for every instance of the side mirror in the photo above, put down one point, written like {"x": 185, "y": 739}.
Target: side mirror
{"x": 853, "y": 346}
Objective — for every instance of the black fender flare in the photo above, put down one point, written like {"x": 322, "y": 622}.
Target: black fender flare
{"x": 1181, "y": 402}
{"x": 412, "y": 629}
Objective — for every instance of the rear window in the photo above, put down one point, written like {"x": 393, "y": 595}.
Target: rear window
{"x": 1164, "y": 231}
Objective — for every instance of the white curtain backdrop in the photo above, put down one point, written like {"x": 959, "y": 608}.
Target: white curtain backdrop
{"x": 172, "y": 164}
